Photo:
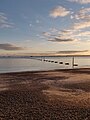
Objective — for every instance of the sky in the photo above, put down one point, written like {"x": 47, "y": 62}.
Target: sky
{"x": 56, "y": 27}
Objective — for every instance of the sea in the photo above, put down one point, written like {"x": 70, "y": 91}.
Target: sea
{"x": 18, "y": 64}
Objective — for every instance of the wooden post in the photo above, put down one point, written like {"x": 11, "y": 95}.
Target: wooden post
{"x": 43, "y": 58}
{"x": 73, "y": 62}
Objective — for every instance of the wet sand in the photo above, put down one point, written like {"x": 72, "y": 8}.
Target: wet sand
{"x": 45, "y": 95}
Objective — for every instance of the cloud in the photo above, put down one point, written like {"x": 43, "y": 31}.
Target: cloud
{"x": 80, "y": 1}
{"x": 66, "y": 32}
{"x": 4, "y": 23}
{"x": 46, "y": 34}
{"x": 73, "y": 34}
{"x": 10, "y": 47}
{"x": 81, "y": 25}
{"x": 86, "y": 34}
{"x": 83, "y": 14}
{"x": 59, "y": 11}
{"x": 71, "y": 52}
{"x": 66, "y": 35}
{"x": 56, "y": 39}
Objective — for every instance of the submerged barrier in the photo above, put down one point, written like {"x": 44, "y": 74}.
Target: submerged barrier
{"x": 66, "y": 63}
{"x": 61, "y": 62}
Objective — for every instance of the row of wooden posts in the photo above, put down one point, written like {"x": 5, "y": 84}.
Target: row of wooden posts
{"x": 73, "y": 64}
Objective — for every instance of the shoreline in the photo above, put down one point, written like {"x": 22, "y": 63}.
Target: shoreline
{"x": 82, "y": 70}
{"x": 45, "y": 95}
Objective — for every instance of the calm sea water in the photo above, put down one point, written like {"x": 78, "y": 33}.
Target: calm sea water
{"x": 35, "y": 64}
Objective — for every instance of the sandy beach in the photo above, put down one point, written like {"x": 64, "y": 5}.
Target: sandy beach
{"x": 45, "y": 95}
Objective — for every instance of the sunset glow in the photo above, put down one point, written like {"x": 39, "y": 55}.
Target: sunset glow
{"x": 51, "y": 27}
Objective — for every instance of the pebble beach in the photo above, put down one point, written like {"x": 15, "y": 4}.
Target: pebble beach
{"x": 45, "y": 95}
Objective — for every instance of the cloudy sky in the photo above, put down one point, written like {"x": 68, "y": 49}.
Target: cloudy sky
{"x": 45, "y": 26}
